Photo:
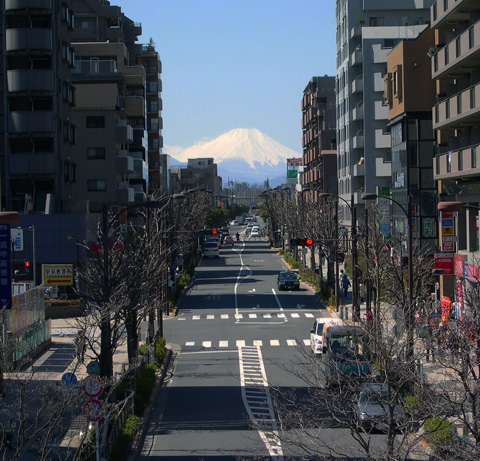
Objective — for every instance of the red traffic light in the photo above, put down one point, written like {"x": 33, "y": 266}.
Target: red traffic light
{"x": 309, "y": 242}
{"x": 27, "y": 263}
{"x": 214, "y": 231}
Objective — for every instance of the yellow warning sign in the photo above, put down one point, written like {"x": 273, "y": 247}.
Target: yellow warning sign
{"x": 57, "y": 274}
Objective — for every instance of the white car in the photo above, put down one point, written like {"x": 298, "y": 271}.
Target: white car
{"x": 255, "y": 233}
{"x": 211, "y": 250}
{"x": 316, "y": 334}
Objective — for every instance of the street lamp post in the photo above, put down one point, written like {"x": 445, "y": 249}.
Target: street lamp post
{"x": 353, "y": 233}
{"x": 410, "y": 312}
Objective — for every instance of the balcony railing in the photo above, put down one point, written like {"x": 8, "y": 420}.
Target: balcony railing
{"x": 106, "y": 66}
{"x": 456, "y": 54}
{"x": 457, "y": 108}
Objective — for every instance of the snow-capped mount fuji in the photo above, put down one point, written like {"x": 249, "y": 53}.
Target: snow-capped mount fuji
{"x": 242, "y": 154}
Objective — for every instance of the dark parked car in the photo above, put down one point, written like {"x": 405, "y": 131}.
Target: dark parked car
{"x": 288, "y": 280}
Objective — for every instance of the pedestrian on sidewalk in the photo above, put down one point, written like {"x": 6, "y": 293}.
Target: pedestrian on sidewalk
{"x": 430, "y": 346}
{"x": 369, "y": 316}
{"x": 361, "y": 291}
{"x": 345, "y": 284}
{"x": 80, "y": 345}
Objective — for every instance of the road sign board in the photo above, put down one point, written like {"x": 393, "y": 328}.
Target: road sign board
{"x": 57, "y": 274}
{"x": 93, "y": 368}
{"x": 92, "y": 386}
{"x": 69, "y": 379}
{"x": 92, "y": 409}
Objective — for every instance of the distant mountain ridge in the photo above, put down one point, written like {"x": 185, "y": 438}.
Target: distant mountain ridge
{"x": 242, "y": 154}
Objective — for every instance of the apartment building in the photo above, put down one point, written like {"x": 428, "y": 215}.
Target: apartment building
{"x": 199, "y": 173}
{"x": 75, "y": 120}
{"x": 366, "y": 31}
{"x": 319, "y": 136}
{"x": 455, "y": 63}
{"x": 455, "y": 60}
{"x": 157, "y": 162}
{"x": 410, "y": 95}
{"x": 37, "y": 134}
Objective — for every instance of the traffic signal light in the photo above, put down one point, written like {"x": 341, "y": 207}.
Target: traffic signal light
{"x": 302, "y": 242}
{"x": 214, "y": 231}
{"x": 211, "y": 232}
{"x": 27, "y": 267}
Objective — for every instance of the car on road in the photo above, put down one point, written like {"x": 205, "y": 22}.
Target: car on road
{"x": 228, "y": 241}
{"x": 375, "y": 402}
{"x": 316, "y": 333}
{"x": 288, "y": 280}
{"x": 213, "y": 240}
{"x": 255, "y": 233}
{"x": 211, "y": 250}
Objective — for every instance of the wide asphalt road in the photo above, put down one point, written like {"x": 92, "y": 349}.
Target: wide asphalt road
{"x": 234, "y": 337}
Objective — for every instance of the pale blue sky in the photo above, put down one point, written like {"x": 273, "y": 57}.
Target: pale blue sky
{"x": 236, "y": 63}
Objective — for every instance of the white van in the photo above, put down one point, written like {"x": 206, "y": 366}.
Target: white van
{"x": 316, "y": 333}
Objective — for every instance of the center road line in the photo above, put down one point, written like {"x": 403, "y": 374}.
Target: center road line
{"x": 240, "y": 279}
{"x": 276, "y": 298}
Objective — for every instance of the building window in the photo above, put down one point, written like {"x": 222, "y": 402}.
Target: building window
{"x": 388, "y": 43}
{"x": 97, "y": 185}
{"x": 449, "y": 162}
{"x": 95, "y": 122}
{"x": 70, "y": 171}
{"x": 471, "y": 38}
{"x": 474, "y": 157}
{"x": 72, "y": 136}
{"x": 95, "y": 152}
{"x": 375, "y": 22}
{"x": 460, "y": 160}
{"x": 458, "y": 48}
{"x": 472, "y": 98}
{"x": 459, "y": 103}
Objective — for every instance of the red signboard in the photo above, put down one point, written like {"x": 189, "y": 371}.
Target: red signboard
{"x": 458, "y": 265}
{"x": 445, "y": 263}
{"x": 473, "y": 272}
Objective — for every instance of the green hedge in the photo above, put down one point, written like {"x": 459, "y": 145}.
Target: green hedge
{"x": 144, "y": 387}
{"x": 437, "y": 432}
{"x": 120, "y": 452}
{"x": 159, "y": 351}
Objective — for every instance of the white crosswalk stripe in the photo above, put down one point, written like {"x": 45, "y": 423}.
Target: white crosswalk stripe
{"x": 278, "y": 315}
{"x": 242, "y": 343}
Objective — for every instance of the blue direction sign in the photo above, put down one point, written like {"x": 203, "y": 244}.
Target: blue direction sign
{"x": 69, "y": 379}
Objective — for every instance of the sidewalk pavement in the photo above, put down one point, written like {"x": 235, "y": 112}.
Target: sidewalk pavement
{"x": 58, "y": 359}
